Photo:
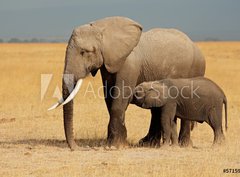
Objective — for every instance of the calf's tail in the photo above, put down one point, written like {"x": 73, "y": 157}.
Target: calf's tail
{"x": 225, "y": 107}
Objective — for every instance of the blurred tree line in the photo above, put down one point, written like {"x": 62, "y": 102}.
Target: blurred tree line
{"x": 36, "y": 40}
{"x": 33, "y": 40}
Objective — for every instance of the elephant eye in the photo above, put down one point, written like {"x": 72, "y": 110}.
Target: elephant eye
{"x": 83, "y": 51}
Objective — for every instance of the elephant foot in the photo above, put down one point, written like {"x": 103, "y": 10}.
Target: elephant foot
{"x": 150, "y": 141}
{"x": 117, "y": 138}
{"x": 117, "y": 133}
{"x": 72, "y": 145}
{"x": 185, "y": 142}
{"x": 116, "y": 142}
{"x": 111, "y": 148}
{"x": 218, "y": 140}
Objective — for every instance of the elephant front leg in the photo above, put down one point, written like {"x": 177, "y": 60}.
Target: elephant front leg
{"x": 184, "y": 134}
{"x": 153, "y": 136}
{"x": 168, "y": 123}
{"x": 120, "y": 92}
{"x": 117, "y": 132}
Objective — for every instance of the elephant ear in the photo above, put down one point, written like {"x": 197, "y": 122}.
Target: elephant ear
{"x": 119, "y": 37}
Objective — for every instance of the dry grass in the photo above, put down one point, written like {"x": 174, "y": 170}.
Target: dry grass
{"x": 32, "y": 139}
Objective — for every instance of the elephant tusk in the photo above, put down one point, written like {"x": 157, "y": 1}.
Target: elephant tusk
{"x": 56, "y": 104}
{"x": 74, "y": 92}
{"x": 69, "y": 98}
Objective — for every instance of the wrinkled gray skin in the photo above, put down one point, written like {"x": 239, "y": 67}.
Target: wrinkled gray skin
{"x": 126, "y": 56}
{"x": 196, "y": 99}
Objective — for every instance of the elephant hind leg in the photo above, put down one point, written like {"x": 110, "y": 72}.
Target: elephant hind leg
{"x": 184, "y": 134}
{"x": 153, "y": 136}
{"x": 174, "y": 137}
{"x": 215, "y": 121}
{"x": 218, "y": 137}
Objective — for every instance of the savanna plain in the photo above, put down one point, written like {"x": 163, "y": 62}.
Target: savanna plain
{"x": 32, "y": 141}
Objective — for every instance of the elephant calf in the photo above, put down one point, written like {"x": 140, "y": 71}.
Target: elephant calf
{"x": 197, "y": 99}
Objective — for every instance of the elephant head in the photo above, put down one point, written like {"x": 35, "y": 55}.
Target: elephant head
{"x": 150, "y": 94}
{"x": 104, "y": 42}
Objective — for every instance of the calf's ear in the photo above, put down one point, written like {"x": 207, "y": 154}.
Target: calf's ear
{"x": 161, "y": 90}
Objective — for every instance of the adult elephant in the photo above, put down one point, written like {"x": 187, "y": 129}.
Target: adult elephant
{"x": 126, "y": 57}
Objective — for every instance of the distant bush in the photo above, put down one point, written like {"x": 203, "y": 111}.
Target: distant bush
{"x": 14, "y": 40}
{"x": 33, "y": 40}
{"x": 212, "y": 39}
{"x": 1, "y": 40}
{"x": 17, "y": 40}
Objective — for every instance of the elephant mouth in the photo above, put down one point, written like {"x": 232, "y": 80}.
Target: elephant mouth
{"x": 70, "y": 97}
{"x": 140, "y": 103}
{"x": 94, "y": 72}
{"x": 145, "y": 106}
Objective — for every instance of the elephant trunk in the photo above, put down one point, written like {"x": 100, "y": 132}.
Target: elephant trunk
{"x": 68, "y": 117}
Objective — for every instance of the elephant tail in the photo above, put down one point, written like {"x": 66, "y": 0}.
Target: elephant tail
{"x": 193, "y": 124}
{"x": 225, "y": 107}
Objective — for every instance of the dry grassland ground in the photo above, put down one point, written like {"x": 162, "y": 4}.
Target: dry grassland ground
{"x": 32, "y": 140}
